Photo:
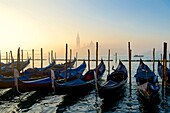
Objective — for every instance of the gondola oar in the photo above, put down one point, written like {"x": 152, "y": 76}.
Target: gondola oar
{"x": 16, "y": 75}
{"x": 52, "y": 79}
{"x": 49, "y": 57}
{"x": 95, "y": 79}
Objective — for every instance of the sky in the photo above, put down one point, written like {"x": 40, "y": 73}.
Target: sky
{"x": 50, "y": 24}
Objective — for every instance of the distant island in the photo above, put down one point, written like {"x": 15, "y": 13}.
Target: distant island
{"x": 138, "y": 56}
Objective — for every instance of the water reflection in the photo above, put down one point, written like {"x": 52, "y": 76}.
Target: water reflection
{"x": 69, "y": 100}
{"x": 165, "y": 99}
{"x": 149, "y": 106}
{"x": 32, "y": 98}
{"x": 8, "y": 94}
{"x": 111, "y": 102}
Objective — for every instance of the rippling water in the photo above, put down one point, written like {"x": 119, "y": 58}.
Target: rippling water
{"x": 47, "y": 102}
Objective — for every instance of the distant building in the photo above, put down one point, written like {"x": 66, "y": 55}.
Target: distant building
{"x": 91, "y": 45}
{"x": 78, "y": 42}
{"x": 82, "y": 50}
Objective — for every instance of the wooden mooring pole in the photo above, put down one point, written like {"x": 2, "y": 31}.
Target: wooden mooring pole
{"x": 169, "y": 61}
{"x": 22, "y": 55}
{"x": 18, "y": 60}
{"x": 6, "y": 57}
{"x": 52, "y": 58}
{"x": 9, "y": 60}
{"x": 41, "y": 58}
{"x": 161, "y": 58}
{"x": 70, "y": 57}
{"x": 108, "y": 61}
{"x": 116, "y": 58}
{"x": 76, "y": 58}
{"x": 12, "y": 59}
{"x": 0, "y": 62}
{"x": 164, "y": 65}
{"x": 153, "y": 59}
{"x": 96, "y": 59}
{"x": 130, "y": 52}
{"x": 27, "y": 55}
{"x": 55, "y": 56}
{"x": 66, "y": 61}
{"x": 49, "y": 57}
{"x": 88, "y": 59}
{"x": 32, "y": 58}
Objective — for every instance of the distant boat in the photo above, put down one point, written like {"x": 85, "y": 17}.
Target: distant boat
{"x": 138, "y": 56}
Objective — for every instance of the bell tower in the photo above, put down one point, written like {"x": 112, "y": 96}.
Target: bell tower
{"x": 78, "y": 41}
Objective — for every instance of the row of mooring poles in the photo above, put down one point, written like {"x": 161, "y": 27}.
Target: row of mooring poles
{"x": 41, "y": 58}
{"x": 20, "y": 58}
{"x": 51, "y": 56}
{"x": 9, "y": 57}
{"x": 129, "y": 52}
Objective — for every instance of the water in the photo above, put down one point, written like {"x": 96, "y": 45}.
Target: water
{"x": 47, "y": 102}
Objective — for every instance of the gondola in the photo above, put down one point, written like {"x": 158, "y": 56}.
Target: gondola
{"x": 46, "y": 82}
{"x": 115, "y": 82}
{"x": 147, "y": 82}
{"x": 61, "y": 75}
{"x": 160, "y": 72}
{"x": 29, "y": 73}
{"x": 8, "y": 70}
{"x": 38, "y": 71}
{"x": 61, "y": 67}
{"x": 85, "y": 83}
{"x": 8, "y": 82}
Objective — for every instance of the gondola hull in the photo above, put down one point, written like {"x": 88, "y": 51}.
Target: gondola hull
{"x": 115, "y": 82}
{"x": 29, "y": 82}
{"x": 43, "y": 84}
{"x": 147, "y": 82}
{"x": 80, "y": 89}
{"x": 107, "y": 91}
{"x": 85, "y": 83}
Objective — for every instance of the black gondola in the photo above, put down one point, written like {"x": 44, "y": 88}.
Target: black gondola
{"x": 115, "y": 82}
{"x": 83, "y": 84}
{"x": 147, "y": 82}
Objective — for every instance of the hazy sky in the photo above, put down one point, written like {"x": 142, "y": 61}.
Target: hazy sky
{"x": 50, "y": 24}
